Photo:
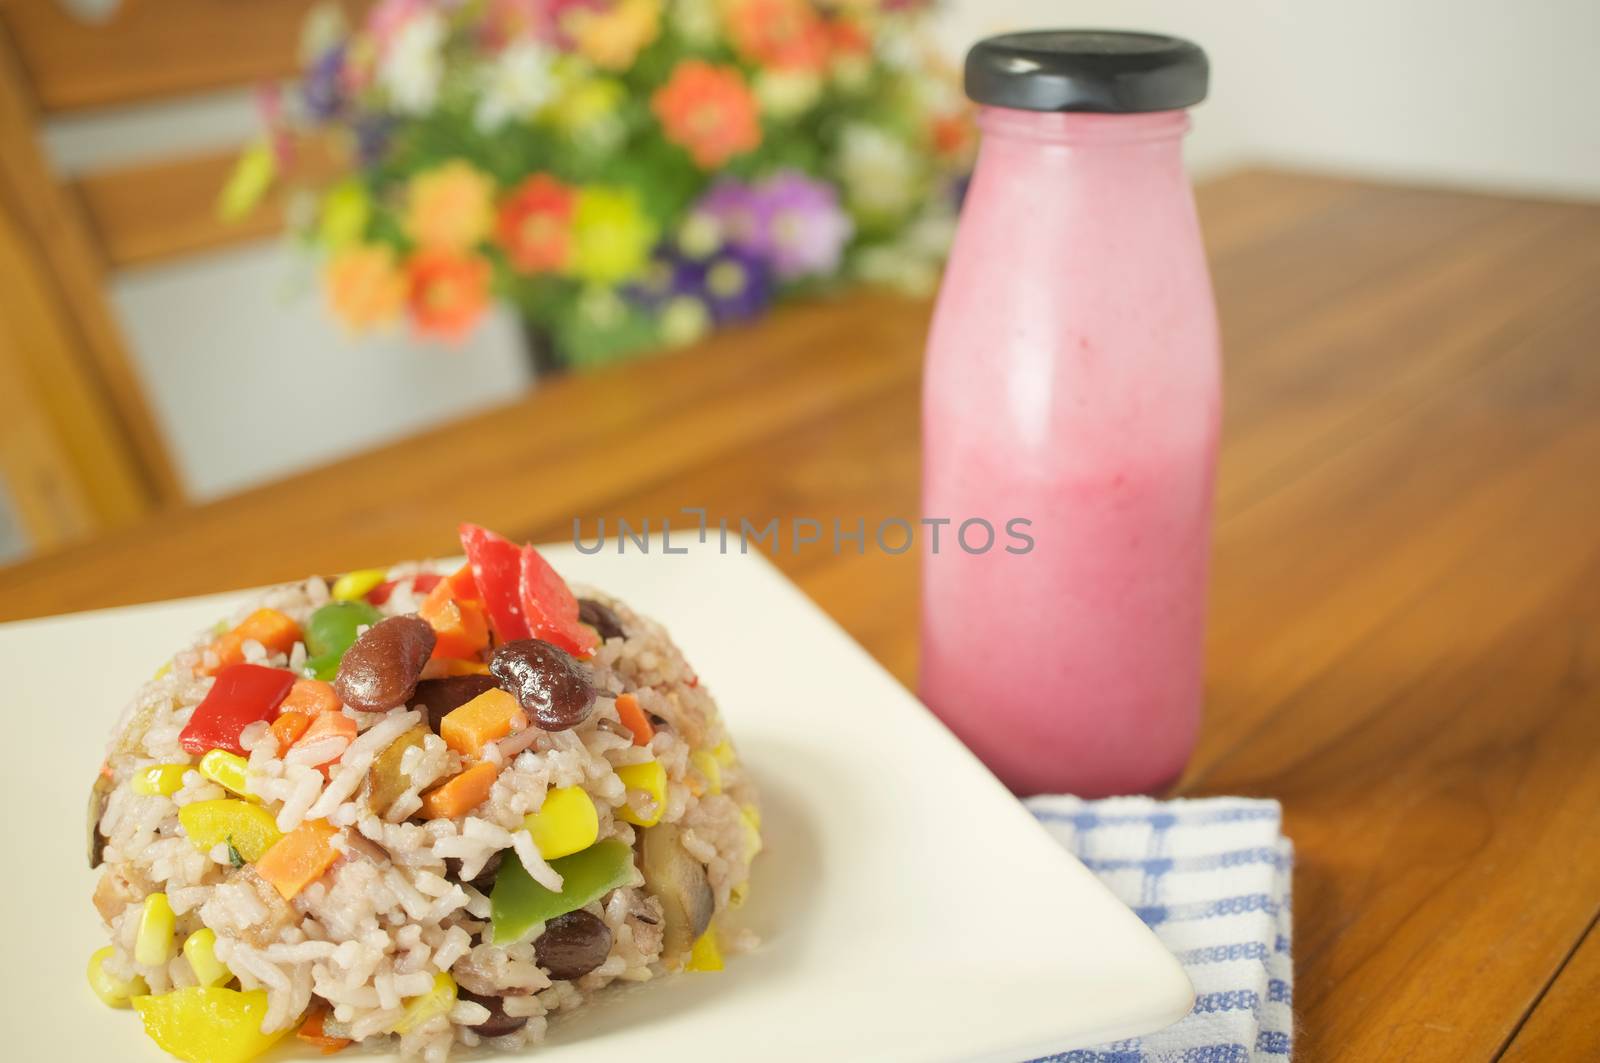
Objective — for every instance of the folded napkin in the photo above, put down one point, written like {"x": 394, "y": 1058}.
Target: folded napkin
{"x": 1211, "y": 878}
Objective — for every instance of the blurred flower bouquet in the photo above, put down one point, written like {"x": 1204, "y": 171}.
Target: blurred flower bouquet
{"x": 624, "y": 173}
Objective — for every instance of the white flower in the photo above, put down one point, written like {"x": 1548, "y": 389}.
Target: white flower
{"x": 519, "y": 82}
{"x": 696, "y": 21}
{"x": 898, "y": 267}
{"x": 786, "y": 94}
{"x": 414, "y": 66}
{"x": 683, "y": 320}
{"x": 879, "y": 171}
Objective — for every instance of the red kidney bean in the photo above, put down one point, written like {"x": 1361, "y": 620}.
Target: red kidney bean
{"x": 572, "y": 945}
{"x": 602, "y": 618}
{"x": 552, "y": 687}
{"x": 498, "y": 1024}
{"x": 380, "y": 670}
{"x": 440, "y": 697}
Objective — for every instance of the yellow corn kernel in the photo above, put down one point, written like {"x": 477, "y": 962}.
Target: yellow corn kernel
{"x": 706, "y": 764}
{"x": 208, "y": 1023}
{"x": 249, "y": 828}
{"x": 724, "y": 753}
{"x": 750, "y": 820}
{"x": 565, "y": 824}
{"x": 162, "y": 779}
{"x": 201, "y": 951}
{"x": 116, "y": 992}
{"x": 435, "y": 1002}
{"x": 353, "y": 585}
{"x": 228, "y": 770}
{"x": 153, "y": 946}
{"x": 706, "y": 953}
{"x": 650, "y": 777}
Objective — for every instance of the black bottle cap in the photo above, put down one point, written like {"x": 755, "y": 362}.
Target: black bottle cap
{"x": 1103, "y": 71}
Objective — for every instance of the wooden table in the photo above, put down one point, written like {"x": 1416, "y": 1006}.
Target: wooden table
{"x": 1405, "y": 634}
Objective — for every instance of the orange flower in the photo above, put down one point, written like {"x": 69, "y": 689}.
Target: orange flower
{"x": 364, "y": 286}
{"x": 612, "y": 37}
{"x": 449, "y": 206}
{"x": 848, "y": 37}
{"x": 536, "y": 224}
{"x": 708, "y": 111}
{"x": 783, "y": 34}
{"x": 953, "y": 135}
{"x": 447, "y": 292}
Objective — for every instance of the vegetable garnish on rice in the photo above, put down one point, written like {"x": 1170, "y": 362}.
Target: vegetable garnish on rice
{"x": 413, "y": 809}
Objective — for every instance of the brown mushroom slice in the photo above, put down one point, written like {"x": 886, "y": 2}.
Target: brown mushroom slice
{"x": 114, "y": 892}
{"x": 99, "y": 794}
{"x": 386, "y": 780}
{"x": 279, "y": 914}
{"x": 680, "y": 883}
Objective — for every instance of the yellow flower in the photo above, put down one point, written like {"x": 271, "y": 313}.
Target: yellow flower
{"x": 345, "y": 212}
{"x": 613, "y": 38}
{"x": 587, "y": 110}
{"x": 612, "y": 235}
{"x": 365, "y": 286}
{"x": 249, "y": 182}
{"x": 450, "y": 207}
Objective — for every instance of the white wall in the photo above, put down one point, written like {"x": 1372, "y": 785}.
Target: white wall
{"x": 1497, "y": 94}
{"x": 252, "y": 379}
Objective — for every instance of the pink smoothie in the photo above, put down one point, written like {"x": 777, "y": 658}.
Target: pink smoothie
{"x": 1072, "y": 381}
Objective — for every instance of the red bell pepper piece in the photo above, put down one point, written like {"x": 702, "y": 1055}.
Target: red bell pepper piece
{"x": 496, "y": 568}
{"x": 241, "y": 695}
{"x": 550, "y": 608}
{"x": 420, "y": 584}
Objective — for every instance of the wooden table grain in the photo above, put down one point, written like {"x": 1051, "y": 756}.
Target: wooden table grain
{"x": 1404, "y": 639}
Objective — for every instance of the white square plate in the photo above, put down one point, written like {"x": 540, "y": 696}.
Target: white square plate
{"x": 909, "y": 907}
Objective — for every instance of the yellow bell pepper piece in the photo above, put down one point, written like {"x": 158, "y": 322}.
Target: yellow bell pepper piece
{"x": 162, "y": 779}
{"x": 200, "y": 949}
{"x": 208, "y": 1024}
{"x": 565, "y": 824}
{"x": 430, "y": 1005}
{"x": 353, "y": 585}
{"x": 706, "y": 953}
{"x": 116, "y": 992}
{"x": 750, "y": 820}
{"x": 228, "y": 770}
{"x": 706, "y": 764}
{"x": 153, "y": 946}
{"x": 249, "y": 828}
{"x": 650, "y": 777}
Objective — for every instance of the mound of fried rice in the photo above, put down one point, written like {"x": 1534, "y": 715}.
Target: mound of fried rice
{"x": 399, "y": 906}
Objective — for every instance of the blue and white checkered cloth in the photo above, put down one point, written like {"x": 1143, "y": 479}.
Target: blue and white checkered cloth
{"x": 1211, "y": 878}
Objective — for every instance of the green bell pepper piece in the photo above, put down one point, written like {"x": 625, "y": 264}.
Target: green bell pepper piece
{"x": 518, "y": 903}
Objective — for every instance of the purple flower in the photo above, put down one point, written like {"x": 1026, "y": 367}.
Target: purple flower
{"x": 738, "y": 213}
{"x": 737, "y": 285}
{"x": 372, "y": 137}
{"x": 322, "y": 88}
{"x": 791, "y": 221}
{"x": 806, "y": 229}
{"x": 734, "y": 284}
